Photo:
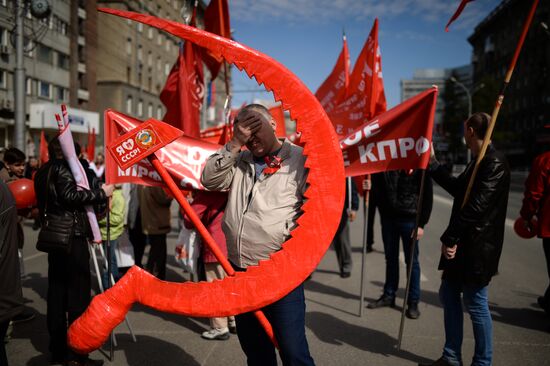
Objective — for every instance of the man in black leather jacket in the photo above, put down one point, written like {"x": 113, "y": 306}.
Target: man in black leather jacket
{"x": 397, "y": 195}
{"x": 69, "y": 283}
{"x": 472, "y": 244}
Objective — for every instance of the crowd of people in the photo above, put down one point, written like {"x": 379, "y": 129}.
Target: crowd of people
{"x": 250, "y": 210}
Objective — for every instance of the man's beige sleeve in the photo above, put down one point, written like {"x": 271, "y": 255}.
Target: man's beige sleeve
{"x": 219, "y": 169}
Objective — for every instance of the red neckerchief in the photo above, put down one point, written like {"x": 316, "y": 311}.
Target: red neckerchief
{"x": 273, "y": 164}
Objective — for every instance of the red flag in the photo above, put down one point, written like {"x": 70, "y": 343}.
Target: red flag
{"x": 335, "y": 86}
{"x": 365, "y": 97}
{"x": 90, "y": 150}
{"x": 184, "y": 158}
{"x": 397, "y": 139}
{"x": 278, "y": 115}
{"x": 184, "y": 90}
{"x": 44, "y": 156}
{"x": 457, "y": 13}
{"x": 216, "y": 20}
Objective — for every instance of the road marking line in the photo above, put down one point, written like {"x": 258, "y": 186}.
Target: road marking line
{"x": 449, "y": 202}
{"x": 402, "y": 260}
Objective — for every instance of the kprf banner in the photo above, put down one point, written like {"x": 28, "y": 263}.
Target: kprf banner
{"x": 397, "y": 139}
{"x": 184, "y": 158}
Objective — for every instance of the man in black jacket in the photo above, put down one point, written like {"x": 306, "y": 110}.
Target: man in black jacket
{"x": 398, "y": 193}
{"x": 472, "y": 244}
{"x": 69, "y": 283}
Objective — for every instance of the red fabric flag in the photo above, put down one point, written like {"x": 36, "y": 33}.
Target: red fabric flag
{"x": 457, "y": 13}
{"x": 216, "y": 20}
{"x": 397, "y": 139}
{"x": 365, "y": 97}
{"x": 184, "y": 158}
{"x": 90, "y": 149}
{"x": 44, "y": 155}
{"x": 335, "y": 86}
{"x": 184, "y": 90}
{"x": 278, "y": 115}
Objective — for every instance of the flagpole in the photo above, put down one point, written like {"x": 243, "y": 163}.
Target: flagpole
{"x": 364, "y": 251}
{"x": 500, "y": 99}
{"x": 411, "y": 257}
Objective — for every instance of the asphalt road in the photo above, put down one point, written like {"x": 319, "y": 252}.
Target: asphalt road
{"x": 336, "y": 334}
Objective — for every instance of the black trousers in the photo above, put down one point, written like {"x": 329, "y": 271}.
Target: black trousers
{"x": 156, "y": 264}
{"x": 546, "y": 247}
{"x": 370, "y": 221}
{"x": 69, "y": 287}
{"x": 3, "y": 331}
{"x": 342, "y": 245}
{"x": 138, "y": 240}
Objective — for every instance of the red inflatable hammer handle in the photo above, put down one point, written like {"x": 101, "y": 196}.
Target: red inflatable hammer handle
{"x": 167, "y": 178}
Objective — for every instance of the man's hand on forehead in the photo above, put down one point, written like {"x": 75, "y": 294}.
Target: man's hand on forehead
{"x": 245, "y": 127}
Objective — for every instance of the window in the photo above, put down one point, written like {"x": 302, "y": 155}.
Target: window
{"x": 140, "y": 27}
{"x": 159, "y": 64}
{"x": 4, "y": 2}
{"x": 140, "y": 108}
{"x": 63, "y": 61}
{"x": 150, "y": 84}
{"x": 129, "y": 106}
{"x": 44, "y": 90}
{"x": 150, "y": 33}
{"x": 159, "y": 112}
{"x": 168, "y": 44}
{"x": 166, "y": 69}
{"x": 4, "y": 37}
{"x": 150, "y": 59}
{"x": 150, "y": 110}
{"x": 44, "y": 54}
{"x": 28, "y": 86}
{"x": 140, "y": 53}
{"x": 129, "y": 46}
{"x": 159, "y": 39}
{"x": 61, "y": 94}
{"x": 3, "y": 79}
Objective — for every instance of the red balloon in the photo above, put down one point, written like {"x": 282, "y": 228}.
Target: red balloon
{"x": 524, "y": 231}
{"x": 23, "y": 192}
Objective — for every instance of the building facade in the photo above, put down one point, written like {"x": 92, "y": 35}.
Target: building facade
{"x": 520, "y": 131}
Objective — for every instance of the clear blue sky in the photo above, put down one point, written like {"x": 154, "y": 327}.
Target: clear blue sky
{"x": 306, "y": 36}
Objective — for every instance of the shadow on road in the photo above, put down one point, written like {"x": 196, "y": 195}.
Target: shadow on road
{"x": 332, "y": 330}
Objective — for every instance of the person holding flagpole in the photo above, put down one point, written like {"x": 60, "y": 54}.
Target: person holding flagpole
{"x": 471, "y": 245}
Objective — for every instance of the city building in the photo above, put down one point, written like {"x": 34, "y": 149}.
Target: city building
{"x": 53, "y": 75}
{"x": 519, "y": 131}
{"x": 424, "y": 79}
{"x": 134, "y": 60}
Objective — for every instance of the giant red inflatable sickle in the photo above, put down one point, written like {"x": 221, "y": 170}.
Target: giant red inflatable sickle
{"x": 272, "y": 279}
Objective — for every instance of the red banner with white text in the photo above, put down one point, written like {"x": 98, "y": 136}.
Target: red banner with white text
{"x": 184, "y": 158}
{"x": 397, "y": 139}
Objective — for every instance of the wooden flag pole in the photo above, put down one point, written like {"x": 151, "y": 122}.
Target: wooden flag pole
{"x": 499, "y": 101}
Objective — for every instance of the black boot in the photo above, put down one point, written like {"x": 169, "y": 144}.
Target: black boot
{"x": 412, "y": 311}
{"x": 383, "y": 301}
{"x": 440, "y": 362}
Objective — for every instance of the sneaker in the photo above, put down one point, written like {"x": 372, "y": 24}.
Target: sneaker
{"x": 232, "y": 325}
{"x": 24, "y": 316}
{"x": 216, "y": 334}
{"x": 412, "y": 311}
{"x": 440, "y": 362}
{"x": 383, "y": 301}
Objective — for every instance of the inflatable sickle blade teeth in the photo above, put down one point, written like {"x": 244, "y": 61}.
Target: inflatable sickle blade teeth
{"x": 272, "y": 279}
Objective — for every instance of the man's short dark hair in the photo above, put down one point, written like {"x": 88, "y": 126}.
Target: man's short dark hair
{"x": 479, "y": 122}
{"x": 257, "y": 108}
{"x": 13, "y": 155}
{"x": 54, "y": 149}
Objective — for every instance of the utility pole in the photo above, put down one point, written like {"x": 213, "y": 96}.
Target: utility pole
{"x": 19, "y": 80}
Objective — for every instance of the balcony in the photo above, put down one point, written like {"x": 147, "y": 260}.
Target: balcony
{"x": 83, "y": 94}
{"x": 81, "y": 41}
{"x": 81, "y": 67}
{"x": 81, "y": 13}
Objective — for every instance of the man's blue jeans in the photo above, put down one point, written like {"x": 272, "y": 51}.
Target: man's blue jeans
{"x": 392, "y": 231}
{"x": 287, "y": 317}
{"x": 476, "y": 303}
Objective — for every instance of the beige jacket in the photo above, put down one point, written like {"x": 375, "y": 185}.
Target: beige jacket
{"x": 259, "y": 215}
